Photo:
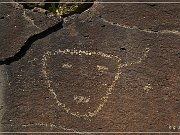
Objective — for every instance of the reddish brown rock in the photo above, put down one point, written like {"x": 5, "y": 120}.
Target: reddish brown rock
{"x": 98, "y": 74}
{"x": 17, "y": 25}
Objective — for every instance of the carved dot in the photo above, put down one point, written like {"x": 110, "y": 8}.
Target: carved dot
{"x": 103, "y": 26}
{"x": 86, "y": 36}
{"x": 46, "y": 98}
{"x": 123, "y": 49}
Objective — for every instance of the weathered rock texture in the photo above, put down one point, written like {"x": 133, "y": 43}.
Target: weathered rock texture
{"x": 17, "y": 25}
{"x": 113, "y": 68}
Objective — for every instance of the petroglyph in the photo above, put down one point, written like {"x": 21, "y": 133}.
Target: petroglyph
{"x": 102, "y": 68}
{"x": 140, "y": 59}
{"x": 108, "y": 85}
{"x": 51, "y": 125}
{"x": 86, "y": 115}
{"x": 67, "y": 65}
{"x": 81, "y": 99}
{"x": 29, "y": 19}
{"x": 148, "y": 87}
{"x": 144, "y": 30}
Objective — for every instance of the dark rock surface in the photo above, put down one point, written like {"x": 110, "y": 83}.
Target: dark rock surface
{"x": 153, "y": 17}
{"x": 17, "y": 25}
{"x": 108, "y": 69}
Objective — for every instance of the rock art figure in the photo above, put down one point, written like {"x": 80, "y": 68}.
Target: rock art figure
{"x": 81, "y": 81}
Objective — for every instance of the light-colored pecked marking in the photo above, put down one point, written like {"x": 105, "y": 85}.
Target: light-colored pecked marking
{"x": 81, "y": 99}
{"x": 67, "y": 65}
{"x": 102, "y": 68}
{"x": 175, "y": 32}
{"x": 148, "y": 87}
{"x": 108, "y": 92}
{"x": 140, "y": 59}
{"x": 47, "y": 125}
{"x": 29, "y": 19}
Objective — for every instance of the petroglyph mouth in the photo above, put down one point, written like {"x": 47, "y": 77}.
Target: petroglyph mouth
{"x": 81, "y": 99}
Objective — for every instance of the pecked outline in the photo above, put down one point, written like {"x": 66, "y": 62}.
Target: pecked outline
{"x": 104, "y": 99}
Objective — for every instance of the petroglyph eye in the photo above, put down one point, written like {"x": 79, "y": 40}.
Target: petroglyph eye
{"x": 102, "y": 68}
{"x": 67, "y": 65}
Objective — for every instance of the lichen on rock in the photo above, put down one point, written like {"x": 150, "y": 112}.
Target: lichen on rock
{"x": 61, "y": 8}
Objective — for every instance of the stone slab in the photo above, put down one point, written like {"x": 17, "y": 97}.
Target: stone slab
{"x": 17, "y": 25}
{"x": 98, "y": 73}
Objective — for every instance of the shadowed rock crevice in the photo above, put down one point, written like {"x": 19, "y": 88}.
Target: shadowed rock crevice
{"x": 29, "y": 42}
{"x": 32, "y": 39}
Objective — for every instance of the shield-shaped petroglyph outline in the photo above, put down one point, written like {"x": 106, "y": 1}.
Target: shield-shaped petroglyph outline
{"x": 104, "y": 99}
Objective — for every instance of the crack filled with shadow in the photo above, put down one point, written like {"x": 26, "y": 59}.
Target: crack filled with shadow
{"x": 43, "y": 34}
{"x": 22, "y": 52}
